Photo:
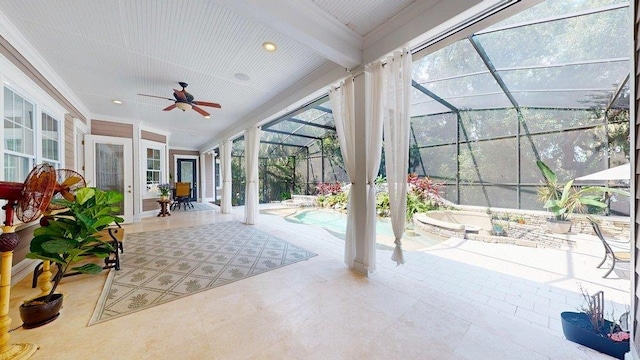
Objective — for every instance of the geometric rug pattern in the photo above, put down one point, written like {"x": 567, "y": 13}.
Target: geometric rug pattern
{"x": 161, "y": 266}
{"x": 196, "y": 207}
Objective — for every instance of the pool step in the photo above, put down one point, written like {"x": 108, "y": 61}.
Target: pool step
{"x": 301, "y": 201}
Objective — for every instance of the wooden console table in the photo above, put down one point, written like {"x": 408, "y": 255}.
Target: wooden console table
{"x": 164, "y": 208}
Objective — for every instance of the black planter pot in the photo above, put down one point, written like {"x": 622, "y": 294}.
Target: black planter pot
{"x": 34, "y": 315}
{"x": 577, "y": 328}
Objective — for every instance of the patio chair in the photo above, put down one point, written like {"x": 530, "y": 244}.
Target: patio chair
{"x": 182, "y": 196}
{"x": 616, "y": 256}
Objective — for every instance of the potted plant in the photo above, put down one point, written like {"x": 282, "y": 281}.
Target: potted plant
{"x": 164, "y": 189}
{"x": 564, "y": 199}
{"x": 497, "y": 226}
{"x": 67, "y": 236}
{"x": 589, "y": 328}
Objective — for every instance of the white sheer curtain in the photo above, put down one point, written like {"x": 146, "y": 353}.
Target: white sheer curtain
{"x": 373, "y": 100}
{"x": 225, "y": 164}
{"x": 342, "y": 103}
{"x": 251, "y": 145}
{"x": 397, "y": 96}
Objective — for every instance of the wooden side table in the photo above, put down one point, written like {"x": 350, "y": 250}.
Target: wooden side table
{"x": 164, "y": 208}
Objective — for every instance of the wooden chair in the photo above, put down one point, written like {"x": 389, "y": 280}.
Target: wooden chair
{"x": 182, "y": 196}
{"x": 616, "y": 256}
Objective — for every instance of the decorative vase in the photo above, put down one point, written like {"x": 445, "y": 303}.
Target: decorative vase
{"x": 164, "y": 197}
{"x": 38, "y": 313}
{"x": 577, "y": 328}
{"x": 559, "y": 226}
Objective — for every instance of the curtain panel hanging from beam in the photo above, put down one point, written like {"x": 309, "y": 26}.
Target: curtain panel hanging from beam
{"x": 252, "y": 145}
{"x": 396, "y": 98}
{"x": 342, "y": 102}
{"x": 374, "y": 79}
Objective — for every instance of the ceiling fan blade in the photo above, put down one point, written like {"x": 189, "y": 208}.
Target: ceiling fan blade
{"x": 67, "y": 195}
{"x": 180, "y": 95}
{"x": 202, "y": 112}
{"x": 204, "y": 103}
{"x": 71, "y": 181}
{"x": 170, "y": 107}
{"x": 159, "y": 97}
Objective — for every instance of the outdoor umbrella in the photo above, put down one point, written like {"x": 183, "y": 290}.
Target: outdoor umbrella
{"x": 622, "y": 172}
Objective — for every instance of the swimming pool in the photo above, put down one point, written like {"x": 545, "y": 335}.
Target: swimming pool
{"x": 336, "y": 223}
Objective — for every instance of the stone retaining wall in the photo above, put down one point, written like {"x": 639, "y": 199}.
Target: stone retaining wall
{"x": 534, "y": 233}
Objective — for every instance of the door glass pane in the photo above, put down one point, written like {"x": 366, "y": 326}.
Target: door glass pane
{"x": 110, "y": 168}
{"x": 186, "y": 172}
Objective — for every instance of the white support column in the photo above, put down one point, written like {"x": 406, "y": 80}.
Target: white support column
{"x": 359, "y": 205}
{"x": 203, "y": 177}
{"x": 225, "y": 205}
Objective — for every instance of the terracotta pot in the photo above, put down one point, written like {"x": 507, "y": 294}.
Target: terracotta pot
{"x": 34, "y": 315}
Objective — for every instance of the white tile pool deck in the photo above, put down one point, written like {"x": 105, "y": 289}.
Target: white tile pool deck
{"x": 456, "y": 300}
{"x": 532, "y": 285}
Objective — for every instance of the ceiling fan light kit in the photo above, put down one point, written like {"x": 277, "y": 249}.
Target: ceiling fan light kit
{"x": 183, "y": 106}
{"x": 185, "y": 101}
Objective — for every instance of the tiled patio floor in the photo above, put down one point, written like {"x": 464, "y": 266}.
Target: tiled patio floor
{"x": 456, "y": 300}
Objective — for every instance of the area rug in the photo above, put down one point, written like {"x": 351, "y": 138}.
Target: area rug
{"x": 161, "y": 266}
{"x": 196, "y": 207}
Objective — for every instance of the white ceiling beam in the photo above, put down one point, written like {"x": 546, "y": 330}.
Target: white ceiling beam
{"x": 417, "y": 22}
{"x": 309, "y": 88}
{"x": 305, "y": 22}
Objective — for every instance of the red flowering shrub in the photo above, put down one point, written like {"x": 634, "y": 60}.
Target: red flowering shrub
{"x": 328, "y": 188}
{"x": 425, "y": 188}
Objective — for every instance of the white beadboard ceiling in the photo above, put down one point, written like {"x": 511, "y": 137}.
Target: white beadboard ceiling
{"x": 114, "y": 49}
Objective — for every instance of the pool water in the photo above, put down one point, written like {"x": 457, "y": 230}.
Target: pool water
{"x": 335, "y": 222}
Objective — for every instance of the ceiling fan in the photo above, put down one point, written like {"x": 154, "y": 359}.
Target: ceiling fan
{"x": 185, "y": 101}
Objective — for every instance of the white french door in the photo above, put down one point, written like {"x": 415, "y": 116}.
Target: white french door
{"x": 108, "y": 166}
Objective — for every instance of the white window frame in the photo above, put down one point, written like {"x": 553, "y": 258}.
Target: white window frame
{"x": 32, "y": 156}
{"x": 40, "y": 105}
{"x": 60, "y": 140}
{"x": 18, "y": 82}
{"x": 148, "y": 144}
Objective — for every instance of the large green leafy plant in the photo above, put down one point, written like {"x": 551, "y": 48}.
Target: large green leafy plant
{"x": 71, "y": 234}
{"x": 564, "y": 199}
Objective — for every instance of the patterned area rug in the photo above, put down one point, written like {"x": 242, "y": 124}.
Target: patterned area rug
{"x": 161, "y": 266}
{"x": 196, "y": 207}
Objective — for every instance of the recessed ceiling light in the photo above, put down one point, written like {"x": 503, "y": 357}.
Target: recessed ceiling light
{"x": 117, "y": 102}
{"x": 269, "y": 46}
{"x": 242, "y": 77}
{"x": 207, "y": 117}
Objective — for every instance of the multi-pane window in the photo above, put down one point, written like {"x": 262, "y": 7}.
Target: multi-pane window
{"x": 154, "y": 162}
{"x": 19, "y": 146}
{"x": 50, "y": 139}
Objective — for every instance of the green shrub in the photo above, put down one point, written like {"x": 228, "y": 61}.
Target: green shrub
{"x": 382, "y": 204}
